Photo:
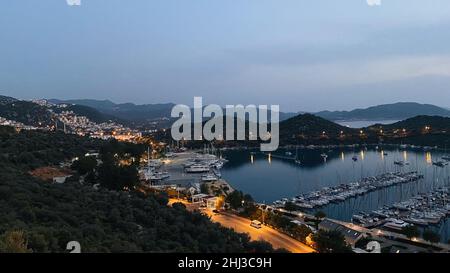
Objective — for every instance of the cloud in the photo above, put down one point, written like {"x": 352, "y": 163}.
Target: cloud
{"x": 374, "y": 2}
{"x": 73, "y": 2}
{"x": 342, "y": 74}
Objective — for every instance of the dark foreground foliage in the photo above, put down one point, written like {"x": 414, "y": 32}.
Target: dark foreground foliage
{"x": 37, "y": 216}
{"x": 105, "y": 221}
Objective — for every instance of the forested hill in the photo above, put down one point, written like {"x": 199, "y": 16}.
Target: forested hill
{"x": 6, "y": 99}
{"x": 125, "y": 111}
{"x": 420, "y": 122}
{"x": 34, "y": 114}
{"x": 25, "y": 112}
{"x": 50, "y": 215}
{"x": 394, "y": 111}
{"x": 306, "y": 126}
{"x": 89, "y": 112}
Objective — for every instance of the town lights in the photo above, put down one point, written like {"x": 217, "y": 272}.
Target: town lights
{"x": 309, "y": 240}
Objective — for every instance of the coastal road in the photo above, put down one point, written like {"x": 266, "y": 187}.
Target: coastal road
{"x": 276, "y": 238}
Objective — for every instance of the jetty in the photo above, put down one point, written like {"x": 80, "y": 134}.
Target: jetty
{"x": 343, "y": 192}
{"x": 423, "y": 210}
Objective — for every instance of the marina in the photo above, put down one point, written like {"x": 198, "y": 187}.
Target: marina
{"x": 354, "y": 184}
{"x": 185, "y": 169}
{"x": 423, "y": 210}
{"x": 344, "y": 191}
{"x": 270, "y": 179}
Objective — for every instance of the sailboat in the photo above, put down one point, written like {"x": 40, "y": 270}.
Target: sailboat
{"x": 399, "y": 163}
{"x": 446, "y": 157}
{"x": 297, "y": 161}
{"x": 440, "y": 163}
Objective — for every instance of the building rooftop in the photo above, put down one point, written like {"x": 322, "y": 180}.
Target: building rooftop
{"x": 347, "y": 232}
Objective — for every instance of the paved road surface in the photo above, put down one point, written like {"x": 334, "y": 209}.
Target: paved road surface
{"x": 277, "y": 239}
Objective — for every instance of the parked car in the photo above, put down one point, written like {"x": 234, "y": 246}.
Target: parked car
{"x": 256, "y": 224}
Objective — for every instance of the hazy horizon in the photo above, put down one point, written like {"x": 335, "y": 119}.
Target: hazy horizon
{"x": 303, "y": 55}
{"x": 190, "y": 104}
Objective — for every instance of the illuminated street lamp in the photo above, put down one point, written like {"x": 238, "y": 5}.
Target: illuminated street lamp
{"x": 262, "y": 213}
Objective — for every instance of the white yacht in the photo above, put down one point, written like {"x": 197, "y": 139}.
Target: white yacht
{"x": 417, "y": 221}
{"x": 399, "y": 162}
{"x": 209, "y": 178}
{"x": 395, "y": 224}
{"x": 198, "y": 168}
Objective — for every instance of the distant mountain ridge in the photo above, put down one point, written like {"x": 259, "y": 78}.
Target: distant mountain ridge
{"x": 395, "y": 111}
{"x": 132, "y": 114}
{"x": 136, "y": 112}
{"x": 304, "y": 129}
{"x": 125, "y": 111}
{"x": 97, "y": 104}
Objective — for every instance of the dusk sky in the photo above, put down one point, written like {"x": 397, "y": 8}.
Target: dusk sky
{"x": 304, "y": 55}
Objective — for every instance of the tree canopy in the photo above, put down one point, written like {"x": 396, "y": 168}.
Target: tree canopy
{"x": 39, "y": 216}
{"x": 331, "y": 242}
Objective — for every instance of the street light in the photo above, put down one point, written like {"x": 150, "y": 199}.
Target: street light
{"x": 262, "y": 213}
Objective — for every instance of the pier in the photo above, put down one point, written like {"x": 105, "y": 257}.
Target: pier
{"x": 422, "y": 210}
{"x": 343, "y": 192}
{"x": 277, "y": 156}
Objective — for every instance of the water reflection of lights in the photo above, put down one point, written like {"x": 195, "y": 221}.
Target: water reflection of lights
{"x": 428, "y": 158}
{"x": 343, "y": 156}
{"x": 405, "y": 155}
{"x": 269, "y": 158}
{"x": 382, "y": 155}
{"x": 251, "y": 158}
{"x": 362, "y": 155}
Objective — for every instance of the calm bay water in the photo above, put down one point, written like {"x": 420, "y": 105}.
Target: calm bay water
{"x": 364, "y": 123}
{"x": 268, "y": 180}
